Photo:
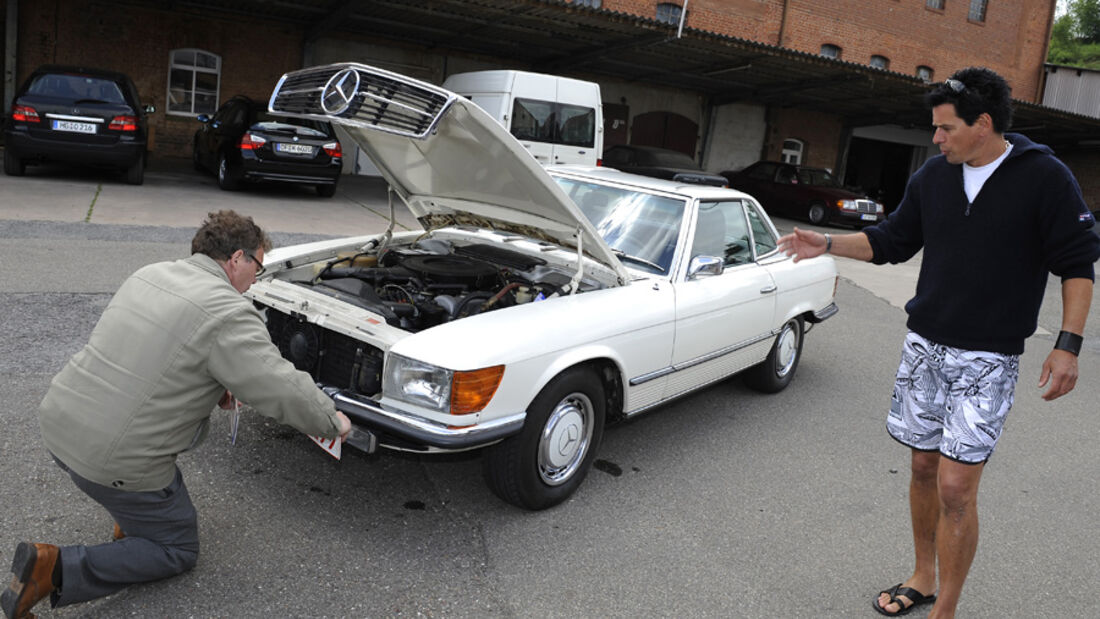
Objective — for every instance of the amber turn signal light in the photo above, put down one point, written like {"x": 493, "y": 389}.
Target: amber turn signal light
{"x": 471, "y": 391}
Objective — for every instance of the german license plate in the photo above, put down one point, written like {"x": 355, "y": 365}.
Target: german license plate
{"x": 73, "y": 126}
{"x": 294, "y": 149}
{"x": 866, "y": 217}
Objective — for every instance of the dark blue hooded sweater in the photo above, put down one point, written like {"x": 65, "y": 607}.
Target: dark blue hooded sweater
{"x": 985, "y": 264}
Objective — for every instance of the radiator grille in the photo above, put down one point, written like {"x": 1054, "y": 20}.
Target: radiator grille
{"x": 331, "y": 358}
{"x": 363, "y": 96}
{"x": 865, "y": 206}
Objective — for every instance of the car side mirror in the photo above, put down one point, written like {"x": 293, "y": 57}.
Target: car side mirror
{"x": 150, "y": 108}
{"x": 705, "y": 266}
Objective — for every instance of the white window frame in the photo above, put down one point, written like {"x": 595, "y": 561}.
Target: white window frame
{"x": 177, "y": 65}
{"x": 830, "y": 50}
{"x": 792, "y": 155}
{"x": 925, "y": 72}
{"x": 880, "y": 62}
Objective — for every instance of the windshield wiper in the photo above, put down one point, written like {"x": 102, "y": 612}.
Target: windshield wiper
{"x": 621, "y": 255}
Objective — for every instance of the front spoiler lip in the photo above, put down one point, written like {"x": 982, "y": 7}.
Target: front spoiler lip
{"x": 387, "y": 421}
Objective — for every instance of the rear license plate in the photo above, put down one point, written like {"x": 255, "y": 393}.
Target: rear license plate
{"x": 294, "y": 149}
{"x": 866, "y": 217}
{"x": 73, "y": 127}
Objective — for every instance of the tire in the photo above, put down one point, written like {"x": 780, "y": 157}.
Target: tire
{"x": 135, "y": 174}
{"x": 546, "y": 462}
{"x": 326, "y": 191}
{"x": 227, "y": 176}
{"x": 777, "y": 370}
{"x": 13, "y": 166}
{"x": 817, "y": 213}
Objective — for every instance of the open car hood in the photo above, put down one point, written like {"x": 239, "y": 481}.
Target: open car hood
{"x": 449, "y": 161}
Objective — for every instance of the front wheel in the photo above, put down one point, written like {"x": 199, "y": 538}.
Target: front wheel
{"x": 776, "y": 372}
{"x": 547, "y": 461}
{"x": 817, "y": 214}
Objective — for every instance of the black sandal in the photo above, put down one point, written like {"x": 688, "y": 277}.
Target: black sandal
{"x": 916, "y": 598}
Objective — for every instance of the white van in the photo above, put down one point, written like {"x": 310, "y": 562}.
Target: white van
{"x": 558, "y": 119}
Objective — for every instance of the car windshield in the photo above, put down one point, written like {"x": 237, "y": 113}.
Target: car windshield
{"x": 667, "y": 159}
{"x": 816, "y": 176}
{"x": 76, "y": 88}
{"x": 301, "y": 126}
{"x": 642, "y": 228}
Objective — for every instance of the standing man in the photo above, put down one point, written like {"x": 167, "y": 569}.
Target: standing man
{"x": 994, "y": 213}
{"x": 176, "y": 338}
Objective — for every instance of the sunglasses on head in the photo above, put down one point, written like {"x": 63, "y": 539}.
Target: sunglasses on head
{"x": 955, "y": 85}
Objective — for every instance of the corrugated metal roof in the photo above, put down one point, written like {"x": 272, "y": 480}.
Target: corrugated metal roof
{"x": 562, "y": 37}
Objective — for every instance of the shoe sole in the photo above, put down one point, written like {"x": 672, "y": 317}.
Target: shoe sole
{"x": 22, "y": 566}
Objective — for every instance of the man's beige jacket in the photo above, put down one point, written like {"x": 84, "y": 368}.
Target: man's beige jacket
{"x": 175, "y": 336}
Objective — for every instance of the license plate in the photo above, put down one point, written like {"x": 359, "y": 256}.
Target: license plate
{"x": 294, "y": 149}
{"x": 73, "y": 127}
{"x": 866, "y": 217}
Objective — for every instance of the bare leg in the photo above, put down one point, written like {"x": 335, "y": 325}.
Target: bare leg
{"x": 924, "y": 509}
{"x": 957, "y": 534}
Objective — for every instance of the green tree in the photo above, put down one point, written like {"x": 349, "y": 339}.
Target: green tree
{"x": 1075, "y": 36}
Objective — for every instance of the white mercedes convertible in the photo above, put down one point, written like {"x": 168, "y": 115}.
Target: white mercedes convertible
{"x": 537, "y": 304}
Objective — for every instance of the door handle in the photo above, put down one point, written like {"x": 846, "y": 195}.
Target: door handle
{"x": 768, "y": 289}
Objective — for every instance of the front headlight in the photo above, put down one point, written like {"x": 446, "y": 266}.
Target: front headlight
{"x": 424, "y": 384}
{"x": 878, "y": 209}
{"x": 417, "y": 383}
{"x": 848, "y": 205}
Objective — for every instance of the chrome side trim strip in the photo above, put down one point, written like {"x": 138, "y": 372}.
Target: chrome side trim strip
{"x": 83, "y": 119}
{"x": 644, "y": 378}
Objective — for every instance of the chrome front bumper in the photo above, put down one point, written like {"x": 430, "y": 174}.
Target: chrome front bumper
{"x": 417, "y": 433}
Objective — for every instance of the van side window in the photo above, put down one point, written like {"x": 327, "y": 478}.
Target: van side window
{"x": 533, "y": 120}
{"x": 578, "y": 125}
{"x": 556, "y": 123}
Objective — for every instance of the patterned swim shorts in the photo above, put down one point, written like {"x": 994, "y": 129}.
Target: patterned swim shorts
{"x": 951, "y": 400}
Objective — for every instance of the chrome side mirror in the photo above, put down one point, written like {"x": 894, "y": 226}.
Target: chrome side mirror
{"x": 705, "y": 266}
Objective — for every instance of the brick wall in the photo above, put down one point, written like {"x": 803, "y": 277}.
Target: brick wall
{"x": 1012, "y": 40}
{"x": 137, "y": 41}
{"x": 819, "y": 133}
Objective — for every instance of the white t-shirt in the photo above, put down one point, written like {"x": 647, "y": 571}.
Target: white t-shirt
{"x": 974, "y": 178}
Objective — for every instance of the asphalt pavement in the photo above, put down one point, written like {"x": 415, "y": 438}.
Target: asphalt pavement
{"x": 726, "y": 503}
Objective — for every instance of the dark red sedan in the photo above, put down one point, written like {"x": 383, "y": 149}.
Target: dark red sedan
{"x": 792, "y": 191}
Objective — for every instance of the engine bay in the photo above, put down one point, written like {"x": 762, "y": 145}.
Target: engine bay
{"x": 419, "y": 286}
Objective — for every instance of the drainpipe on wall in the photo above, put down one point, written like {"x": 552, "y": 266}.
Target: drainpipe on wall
{"x": 10, "y": 32}
{"x": 783, "y": 23}
{"x": 1042, "y": 81}
{"x": 683, "y": 16}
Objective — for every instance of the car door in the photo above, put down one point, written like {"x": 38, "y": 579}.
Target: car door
{"x": 723, "y": 321}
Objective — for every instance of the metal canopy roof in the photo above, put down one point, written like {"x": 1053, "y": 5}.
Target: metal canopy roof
{"x": 555, "y": 36}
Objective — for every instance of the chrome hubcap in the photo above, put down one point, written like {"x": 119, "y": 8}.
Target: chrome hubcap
{"x": 565, "y": 439}
{"x": 786, "y": 349}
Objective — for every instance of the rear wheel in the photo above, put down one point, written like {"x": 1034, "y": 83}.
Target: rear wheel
{"x": 547, "y": 461}
{"x": 227, "y": 176}
{"x": 817, "y": 213}
{"x": 326, "y": 191}
{"x": 776, "y": 372}
{"x": 13, "y": 166}
{"x": 135, "y": 174}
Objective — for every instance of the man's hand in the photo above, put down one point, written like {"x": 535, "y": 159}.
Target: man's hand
{"x": 802, "y": 244}
{"x": 345, "y": 426}
{"x": 227, "y": 403}
{"x": 1060, "y": 370}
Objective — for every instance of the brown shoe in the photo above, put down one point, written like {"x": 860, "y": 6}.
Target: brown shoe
{"x": 118, "y": 534}
{"x": 32, "y": 579}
